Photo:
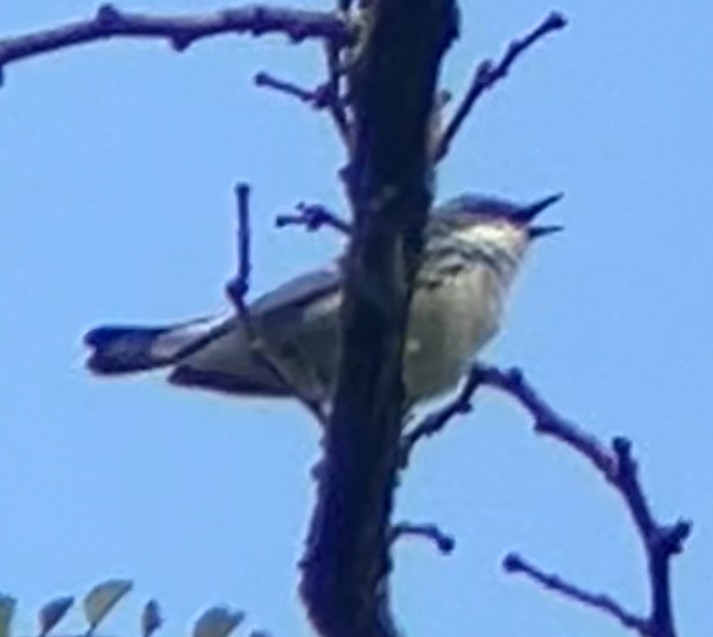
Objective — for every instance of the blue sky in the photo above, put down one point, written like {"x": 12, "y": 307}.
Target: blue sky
{"x": 117, "y": 164}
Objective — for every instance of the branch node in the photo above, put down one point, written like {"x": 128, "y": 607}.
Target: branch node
{"x": 109, "y": 16}
{"x": 442, "y": 541}
{"x": 180, "y": 41}
{"x": 313, "y": 217}
{"x": 670, "y": 539}
{"x": 622, "y": 448}
{"x": 626, "y": 466}
{"x": 516, "y": 377}
{"x": 555, "y": 20}
{"x": 512, "y": 563}
{"x": 297, "y": 33}
{"x": 323, "y": 96}
{"x": 180, "y": 31}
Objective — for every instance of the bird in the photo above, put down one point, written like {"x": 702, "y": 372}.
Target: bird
{"x": 474, "y": 245}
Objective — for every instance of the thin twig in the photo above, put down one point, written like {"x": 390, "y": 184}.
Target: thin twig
{"x": 239, "y": 287}
{"x": 238, "y": 290}
{"x": 514, "y": 563}
{"x": 313, "y": 217}
{"x": 437, "y": 420}
{"x": 488, "y": 73}
{"x": 181, "y": 31}
{"x": 319, "y": 98}
{"x": 324, "y": 97}
{"x": 661, "y": 542}
{"x": 242, "y": 193}
{"x": 308, "y": 96}
{"x": 546, "y": 420}
{"x": 618, "y": 467}
{"x": 443, "y": 542}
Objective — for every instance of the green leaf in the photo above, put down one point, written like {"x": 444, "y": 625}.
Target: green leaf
{"x": 102, "y": 598}
{"x": 218, "y": 621}
{"x": 7, "y": 610}
{"x": 151, "y": 619}
{"x": 52, "y": 613}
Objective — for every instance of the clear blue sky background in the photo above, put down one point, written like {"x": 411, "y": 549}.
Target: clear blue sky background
{"x": 117, "y": 163}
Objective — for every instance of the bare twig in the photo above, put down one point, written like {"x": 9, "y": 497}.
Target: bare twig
{"x": 327, "y": 96}
{"x": 238, "y": 290}
{"x": 180, "y": 31}
{"x": 547, "y": 420}
{"x": 615, "y": 463}
{"x": 618, "y": 467}
{"x": 444, "y": 543}
{"x": 660, "y": 542}
{"x": 319, "y": 98}
{"x": 514, "y": 563}
{"x": 488, "y": 73}
{"x": 266, "y": 80}
{"x": 437, "y": 420}
{"x": 313, "y": 217}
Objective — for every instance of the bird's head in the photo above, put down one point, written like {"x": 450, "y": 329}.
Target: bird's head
{"x": 493, "y": 224}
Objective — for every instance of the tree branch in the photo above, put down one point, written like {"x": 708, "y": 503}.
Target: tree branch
{"x": 317, "y": 98}
{"x": 444, "y": 543}
{"x": 325, "y": 96}
{"x": 237, "y": 291}
{"x": 618, "y": 467}
{"x": 615, "y": 464}
{"x": 437, "y": 420}
{"x": 180, "y": 31}
{"x": 514, "y": 563}
{"x": 313, "y": 217}
{"x": 488, "y": 73}
{"x": 392, "y": 86}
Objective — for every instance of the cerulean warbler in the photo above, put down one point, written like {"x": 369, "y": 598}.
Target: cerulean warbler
{"x": 473, "y": 248}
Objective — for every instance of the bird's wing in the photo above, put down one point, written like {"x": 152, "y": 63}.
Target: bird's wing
{"x": 289, "y": 301}
{"x": 225, "y": 363}
{"x": 214, "y": 352}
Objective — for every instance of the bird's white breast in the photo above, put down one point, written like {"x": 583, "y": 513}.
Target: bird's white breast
{"x": 449, "y": 324}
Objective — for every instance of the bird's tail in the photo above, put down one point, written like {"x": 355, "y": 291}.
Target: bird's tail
{"x": 127, "y": 349}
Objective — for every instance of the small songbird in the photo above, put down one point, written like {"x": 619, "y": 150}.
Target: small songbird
{"x": 473, "y": 248}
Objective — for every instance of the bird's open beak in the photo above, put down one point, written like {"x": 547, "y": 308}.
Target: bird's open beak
{"x": 527, "y": 214}
{"x": 534, "y": 232}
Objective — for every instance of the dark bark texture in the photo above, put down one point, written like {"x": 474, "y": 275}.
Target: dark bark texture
{"x": 393, "y": 83}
